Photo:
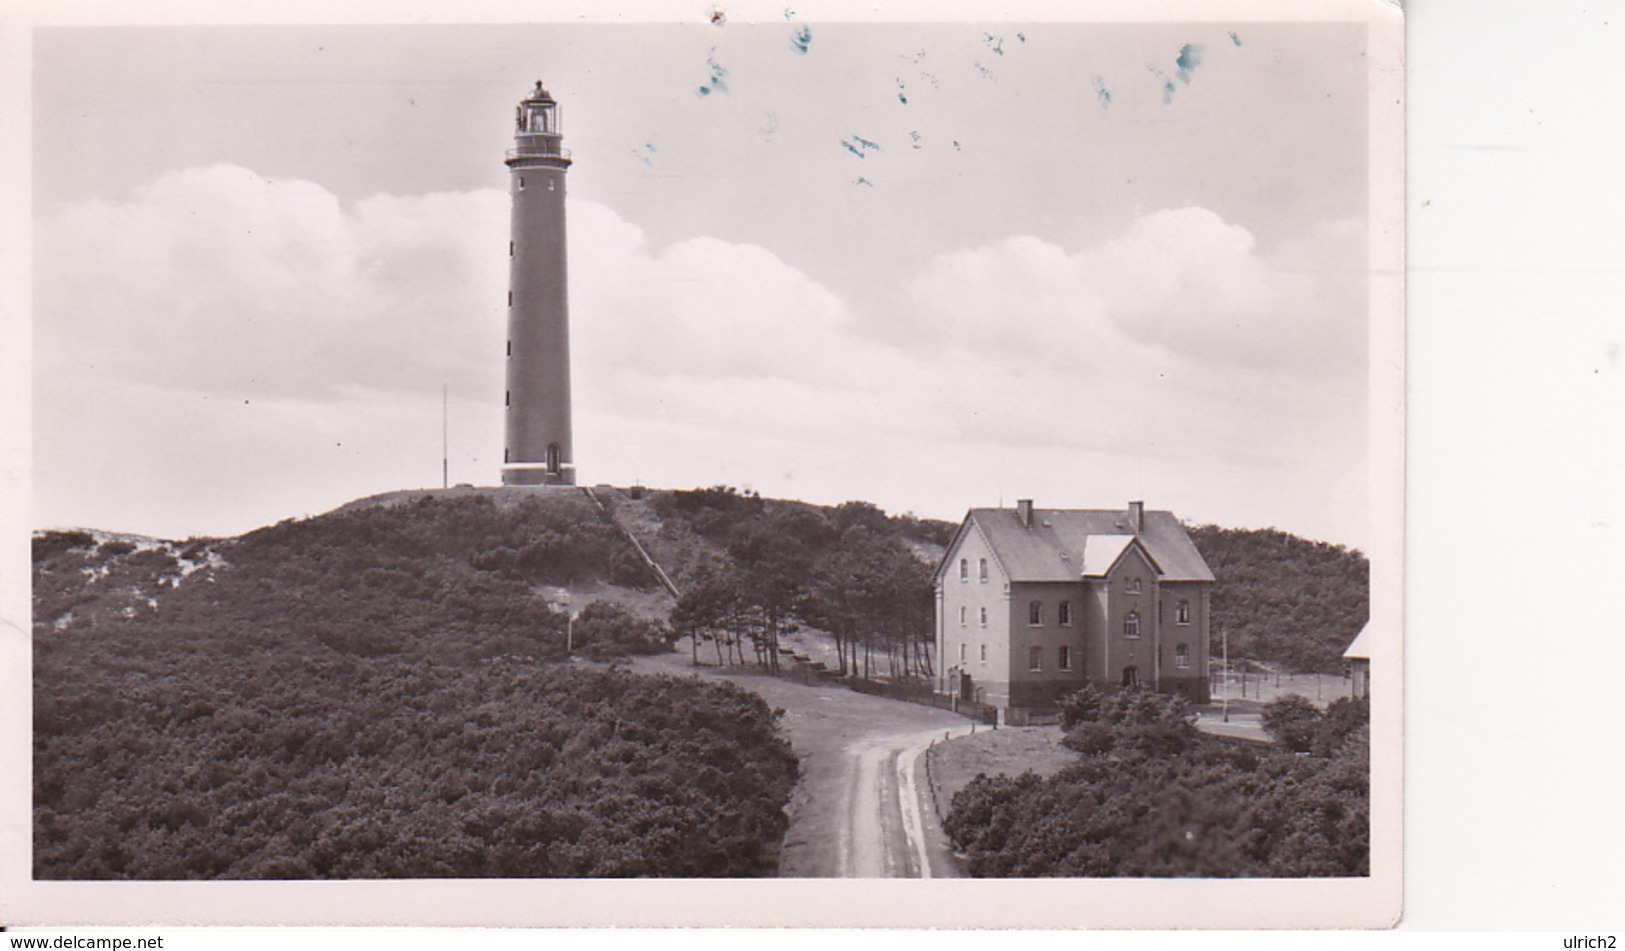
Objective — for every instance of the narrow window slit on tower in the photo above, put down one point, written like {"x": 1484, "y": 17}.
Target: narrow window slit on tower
{"x": 510, "y": 348}
{"x": 507, "y": 398}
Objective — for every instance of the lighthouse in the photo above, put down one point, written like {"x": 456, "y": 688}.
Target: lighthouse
{"x": 536, "y": 407}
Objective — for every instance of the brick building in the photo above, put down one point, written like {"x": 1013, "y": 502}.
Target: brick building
{"x": 1033, "y": 603}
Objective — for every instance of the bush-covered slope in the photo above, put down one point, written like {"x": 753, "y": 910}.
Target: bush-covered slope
{"x": 371, "y": 693}
{"x": 1283, "y": 599}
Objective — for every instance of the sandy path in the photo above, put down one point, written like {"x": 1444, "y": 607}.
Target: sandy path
{"x": 861, "y": 808}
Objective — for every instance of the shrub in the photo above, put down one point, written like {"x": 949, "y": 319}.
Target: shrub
{"x": 1091, "y": 739}
{"x": 1292, "y": 721}
{"x": 606, "y": 629}
{"x": 49, "y": 544}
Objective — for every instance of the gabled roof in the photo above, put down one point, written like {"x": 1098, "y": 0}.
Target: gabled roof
{"x": 1100, "y": 552}
{"x": 1067, "y": 544}
{"x": 1360, "y": 648}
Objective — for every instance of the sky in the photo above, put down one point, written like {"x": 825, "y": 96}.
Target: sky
{"x": 932, "y": 266}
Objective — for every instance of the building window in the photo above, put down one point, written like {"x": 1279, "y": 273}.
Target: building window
{"x": 981, "y": 568}
{"x": 510, "y": 298}
{"x": 1132, "y": 586}
{"x": 1063, "y": 657}
{"x": 984, "y": 653}
{"x": 1182, "y": 656}
{"x": 507, "y": 398}
{"x": 1035, "y": 614}
{"x": 504, "y": 455}
{"x": 550, "y": 184}
{"x": 984, "y": 624}
{"x": 1065, "y": 614}
{"x": 1182, "y": 613}
{"x": 1035, "y": 658}
{"x": 510, "y": 249}
{"x": 521, "y": 183}
{"x": 962, "y": 610}
{"x": 964, "y": 569}
{"x": 1131, "y": 624}
{"x": 510, "y": 348}
{"x": 961, "y": 653}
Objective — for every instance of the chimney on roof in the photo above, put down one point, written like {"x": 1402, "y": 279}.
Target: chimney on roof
{"x": 1024, "y": 511}
{"x": 1136, "y": 517}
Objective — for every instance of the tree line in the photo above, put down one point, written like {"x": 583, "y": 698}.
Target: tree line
{"x": 1284, "y": 600}
{"x": 849, "y": 570}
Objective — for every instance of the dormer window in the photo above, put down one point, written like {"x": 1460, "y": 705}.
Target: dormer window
{"x": 1132, "y": 586}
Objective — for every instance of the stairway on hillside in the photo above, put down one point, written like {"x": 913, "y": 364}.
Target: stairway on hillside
{"x": 648, "y": 559}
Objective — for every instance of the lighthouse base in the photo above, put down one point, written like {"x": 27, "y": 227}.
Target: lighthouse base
{"x": 538, "y": 475}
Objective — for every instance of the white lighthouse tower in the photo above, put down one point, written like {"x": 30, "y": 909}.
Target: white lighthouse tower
{"x": 537, "y": 449}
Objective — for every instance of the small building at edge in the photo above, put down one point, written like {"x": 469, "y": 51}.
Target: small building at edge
{"x": 1034, "y": 603}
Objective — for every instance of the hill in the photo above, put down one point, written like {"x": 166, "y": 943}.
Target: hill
{"x": 386, "y": 690}
{"x": 1285, "y": 600}
{"x": 381, "y": 692}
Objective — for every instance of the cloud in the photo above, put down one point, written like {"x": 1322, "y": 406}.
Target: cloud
{"x": 1196, "y": 285}
{"x": 218, "y": 280}
{"x": 222, "y": 308}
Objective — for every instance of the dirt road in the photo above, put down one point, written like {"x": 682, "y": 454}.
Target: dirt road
{"x": 861, "y": 808}
{"x": 888, "y": 809}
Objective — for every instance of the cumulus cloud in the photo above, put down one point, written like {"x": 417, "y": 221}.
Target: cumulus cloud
{"x": 1178, "y": 351}
{"x": 220, "y": 280}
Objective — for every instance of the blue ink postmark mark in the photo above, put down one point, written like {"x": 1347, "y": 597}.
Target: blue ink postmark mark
{"x": 1190, "y": 57}
{"x": 718, "y": 80}
{"x": 859, "y": 146}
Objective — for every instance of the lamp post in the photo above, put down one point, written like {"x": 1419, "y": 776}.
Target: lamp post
{"x": 569, "y": 624}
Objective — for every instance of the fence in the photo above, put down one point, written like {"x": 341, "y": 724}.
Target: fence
{"x": 1020, "y": 716}
{"x": 920, "y": 692}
